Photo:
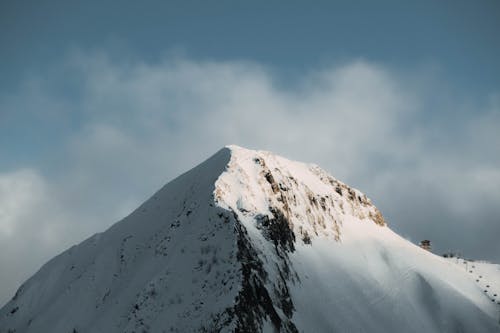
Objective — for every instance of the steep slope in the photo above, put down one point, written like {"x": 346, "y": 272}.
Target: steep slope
{"x": 248, "y": 241}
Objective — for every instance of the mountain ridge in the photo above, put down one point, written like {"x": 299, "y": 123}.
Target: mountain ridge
{"x": 249, "y": 241}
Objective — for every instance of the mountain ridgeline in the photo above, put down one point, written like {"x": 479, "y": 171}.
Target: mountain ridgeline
{"x": 249, "y": 241}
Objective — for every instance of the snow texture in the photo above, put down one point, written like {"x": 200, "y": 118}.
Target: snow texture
{"x": 252, "y": 242}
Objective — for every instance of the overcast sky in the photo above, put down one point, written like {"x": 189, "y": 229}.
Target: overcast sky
{"x": 103, "y": 103}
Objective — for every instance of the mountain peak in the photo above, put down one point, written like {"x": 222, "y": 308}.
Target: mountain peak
{"x": 258, "y": 185}
{"x": 249, "y": 241}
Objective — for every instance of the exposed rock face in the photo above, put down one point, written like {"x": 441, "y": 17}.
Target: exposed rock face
{"x": 312, "y": 203}
{"x": 249, "y": 242}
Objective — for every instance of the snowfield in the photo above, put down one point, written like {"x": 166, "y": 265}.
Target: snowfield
{"x": 252, "y": 242}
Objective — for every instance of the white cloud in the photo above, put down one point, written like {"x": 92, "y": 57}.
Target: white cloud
{"x": 18, "y": 190}
{"x": 31, "y": 226}
{"x": 139, "y": 125}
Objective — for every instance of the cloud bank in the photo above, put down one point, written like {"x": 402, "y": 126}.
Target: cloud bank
{"x": 103, "y": 135}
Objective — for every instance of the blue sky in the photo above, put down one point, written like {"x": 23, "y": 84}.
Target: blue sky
{"x": 103, "y": 102}
{"x": 460, "y": 36}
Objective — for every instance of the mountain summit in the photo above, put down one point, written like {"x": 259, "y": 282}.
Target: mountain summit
{"x": 249, "y": 241}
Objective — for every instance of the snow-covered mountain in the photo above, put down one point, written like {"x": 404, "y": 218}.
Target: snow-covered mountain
{"x": 247, "y": 242}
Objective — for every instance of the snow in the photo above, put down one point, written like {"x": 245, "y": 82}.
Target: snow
{"x": 385, "y": 283}
{"x": 485, "y": 274}
{"x": 294, "y": 247}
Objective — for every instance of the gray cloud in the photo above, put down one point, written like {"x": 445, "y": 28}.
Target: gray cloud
{"x": 430, "y": 162}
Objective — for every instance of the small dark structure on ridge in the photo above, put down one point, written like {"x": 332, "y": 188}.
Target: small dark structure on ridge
{"x": 426, "y": 244}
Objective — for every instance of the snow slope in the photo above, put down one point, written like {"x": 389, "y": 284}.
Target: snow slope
{"x": 249, "y": 241}
{"x": 486, "y": 275}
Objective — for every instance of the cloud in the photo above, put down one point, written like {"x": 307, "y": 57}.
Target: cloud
{"x": 120, "y": 130}
{"x": 32, "y": 225}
